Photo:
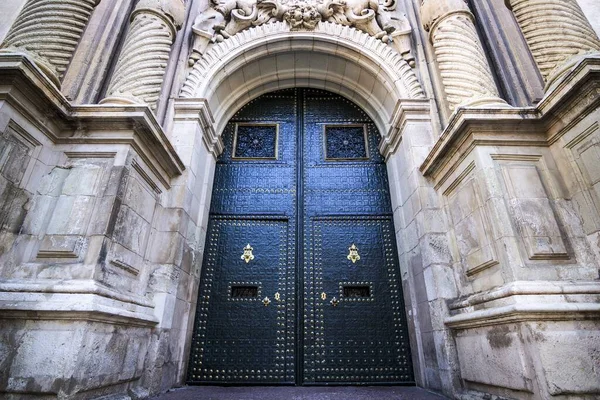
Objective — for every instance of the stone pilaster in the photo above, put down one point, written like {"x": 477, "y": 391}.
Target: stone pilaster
{"x": 143, "y": 61}
{"x": 557, "y": 32}
{"x": 48, "y": 31}
{"x": 464, "y": 69}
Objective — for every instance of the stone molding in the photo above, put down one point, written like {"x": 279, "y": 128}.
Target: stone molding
{"x": 199, "y": 111}
{"x": 407, "y": 111}
{"x": 129, "y": 124}
{"x": 215, "y": 57}
{"x": 572, "y": 98}
{"x": 466, "y": 74}
{"x": 69, "y": 300}
{"x": 542, "y": 21}
{"x": 49, "y": 31}
{"x": 525, "y": 312}
{"x": 141, "y": 67}
{"x": 526, "y": 301}
{"x": 528, "y": 288}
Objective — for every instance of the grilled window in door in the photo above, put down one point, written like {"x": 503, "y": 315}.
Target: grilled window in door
{"x": 346, "y": 142}
{"x": 356, "y": 291}
{"x": 256, "y": 141}
{"x": 244, "y": 291}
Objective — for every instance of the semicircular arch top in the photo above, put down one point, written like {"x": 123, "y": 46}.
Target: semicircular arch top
{"x": 334, "y": 57}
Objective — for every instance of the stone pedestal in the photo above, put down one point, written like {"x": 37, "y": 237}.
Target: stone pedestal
{"x": 519, "y": 188}
{"x": 85, "y": 202}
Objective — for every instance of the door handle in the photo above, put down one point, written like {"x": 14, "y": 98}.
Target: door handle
{"x": 266, "y": 301}
{"x": 334, "y": 302}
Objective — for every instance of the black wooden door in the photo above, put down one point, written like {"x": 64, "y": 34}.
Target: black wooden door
{"x": 300, "y": 281}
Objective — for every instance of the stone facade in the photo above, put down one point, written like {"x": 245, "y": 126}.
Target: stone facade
{"x": 111, "y": 115}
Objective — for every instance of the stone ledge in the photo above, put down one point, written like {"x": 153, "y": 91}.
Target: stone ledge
{"x": 524, "y": 312}
{"x": 529, "y": 288}
{"x": 573, "y": 98}
{"x": 83, "y": 300}
{"x": 29, "y": 91}
{"x": 527, "y": 301}
{"x": 74, "y": 287}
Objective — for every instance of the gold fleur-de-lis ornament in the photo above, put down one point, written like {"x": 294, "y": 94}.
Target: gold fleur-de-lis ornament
{"x": 248, "y": 256}
{"x": 353, "y": 255}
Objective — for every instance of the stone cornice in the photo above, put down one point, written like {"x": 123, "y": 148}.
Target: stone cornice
{"x": 27, "y": 89}
{"x": 573, "y": 98}
{"x": 406, "y": 111}
{"x": 198, "y": 110}
{"x": 516, "y": 313}
{"x": 527, "y": 288}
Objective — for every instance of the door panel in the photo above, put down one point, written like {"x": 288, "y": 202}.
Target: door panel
{"x": 360, "y": 338}
{"x": 358, "y": 333}
{"x": 241, "y": 336}
{"x": 300, "y": 181}
{"x": 253, "y": 202}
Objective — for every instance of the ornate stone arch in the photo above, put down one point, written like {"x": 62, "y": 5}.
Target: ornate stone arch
{"x": 334, "y": 57}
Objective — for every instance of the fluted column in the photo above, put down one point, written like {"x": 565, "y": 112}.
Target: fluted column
{"x": 49, "y": 31}
{"x": 557, "y": 32}
{"x": 465, "y": 71}
{"x": 143, "y": 61}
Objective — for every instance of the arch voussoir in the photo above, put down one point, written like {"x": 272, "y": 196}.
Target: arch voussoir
{"x": 272, "y": 53}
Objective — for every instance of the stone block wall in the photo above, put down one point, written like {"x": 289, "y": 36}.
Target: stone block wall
{"x": 83, "y": 206}
{"x": 425, "y": 259}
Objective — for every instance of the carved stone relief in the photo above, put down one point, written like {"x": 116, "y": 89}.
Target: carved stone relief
{"x": 225, "y": 18}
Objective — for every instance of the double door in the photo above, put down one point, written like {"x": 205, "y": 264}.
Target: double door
{"x": 300, "y": 281}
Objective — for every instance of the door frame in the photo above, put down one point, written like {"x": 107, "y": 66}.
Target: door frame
{"x": 299, "y": 241}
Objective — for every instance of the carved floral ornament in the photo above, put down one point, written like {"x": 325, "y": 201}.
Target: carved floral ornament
{"x": 225, "y": 18}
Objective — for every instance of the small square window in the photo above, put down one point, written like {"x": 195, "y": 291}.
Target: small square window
{"x": 255, "y": 141}
{"x": 346, "y": 142}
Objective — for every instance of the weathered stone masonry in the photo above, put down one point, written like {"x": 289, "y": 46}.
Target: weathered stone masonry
{"x": 494, "y": 180}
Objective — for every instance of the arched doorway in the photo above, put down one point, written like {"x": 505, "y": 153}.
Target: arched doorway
{"x": 300, "y": 282}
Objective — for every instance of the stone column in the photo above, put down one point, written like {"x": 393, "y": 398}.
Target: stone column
{"x": 48, "y": 31}
{"x": 464, "y": 68}
{"x": 557, "y": 32}
{"x": 139, "y": 73}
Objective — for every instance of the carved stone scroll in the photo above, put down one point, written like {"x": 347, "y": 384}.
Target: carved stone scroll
{"x": 557, "y": 32}
{"x": 143, "y": 61}
{"x": 48, "y": 31}
{"x": 464, "y": 68}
